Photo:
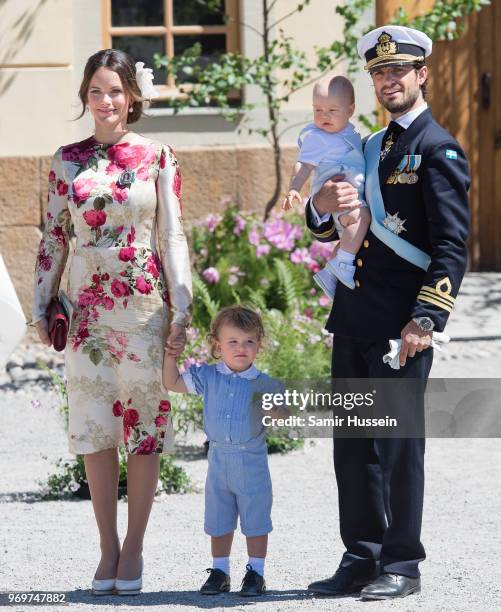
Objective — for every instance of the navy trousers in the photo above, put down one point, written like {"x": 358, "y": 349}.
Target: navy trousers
{"x": 380, "y": 480}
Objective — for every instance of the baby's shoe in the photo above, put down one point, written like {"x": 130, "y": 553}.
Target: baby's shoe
{"x": 326, "y": 281}
{"x": 344, "y": 272}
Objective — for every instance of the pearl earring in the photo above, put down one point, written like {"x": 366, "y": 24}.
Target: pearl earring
{"x": 130, "y": 109}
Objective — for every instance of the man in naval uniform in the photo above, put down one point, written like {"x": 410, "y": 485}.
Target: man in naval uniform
{"x": 408, "y": 273}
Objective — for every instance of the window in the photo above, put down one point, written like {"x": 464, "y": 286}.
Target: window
{"x": 145, "y": 27}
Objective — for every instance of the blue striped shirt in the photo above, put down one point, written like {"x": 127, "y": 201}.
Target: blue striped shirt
{"x": 229, "y": 412}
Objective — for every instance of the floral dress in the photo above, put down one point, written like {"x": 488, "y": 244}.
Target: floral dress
{"x": 129, "y": 279}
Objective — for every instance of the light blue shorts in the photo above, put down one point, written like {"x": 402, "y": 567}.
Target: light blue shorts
{"x": 238, "y": 484}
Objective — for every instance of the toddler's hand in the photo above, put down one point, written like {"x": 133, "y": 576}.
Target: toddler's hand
{"x": 288, "y": 202}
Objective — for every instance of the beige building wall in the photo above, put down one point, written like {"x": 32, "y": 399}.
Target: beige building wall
{"x": 43, "y": 48}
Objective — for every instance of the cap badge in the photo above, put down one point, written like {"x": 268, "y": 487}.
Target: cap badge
{"x": 386, "y": 45}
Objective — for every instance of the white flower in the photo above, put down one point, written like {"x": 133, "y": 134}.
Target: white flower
{"x": 144, "y": 78}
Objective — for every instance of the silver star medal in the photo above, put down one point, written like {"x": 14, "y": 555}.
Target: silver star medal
{"x": 394, "y": 223}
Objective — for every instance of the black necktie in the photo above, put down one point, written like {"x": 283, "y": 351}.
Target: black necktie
{"x": 391, "y": 135}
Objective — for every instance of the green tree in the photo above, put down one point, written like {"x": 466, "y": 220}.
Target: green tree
{"x": 215, "y": 83}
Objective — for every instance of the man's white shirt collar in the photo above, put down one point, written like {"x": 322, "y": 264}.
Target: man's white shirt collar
{"x": 406, "y": 119}
{"x": 249, "y": 373}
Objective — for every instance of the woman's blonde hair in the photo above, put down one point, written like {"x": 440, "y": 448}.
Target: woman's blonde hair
{"x": 241, "y": 317}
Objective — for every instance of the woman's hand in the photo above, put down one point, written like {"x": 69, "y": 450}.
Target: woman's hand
{"x": 42, "y": 328}
{"x": 176, "y": 340}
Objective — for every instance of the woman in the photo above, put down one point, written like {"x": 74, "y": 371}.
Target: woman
{"x": 121, "y": 194}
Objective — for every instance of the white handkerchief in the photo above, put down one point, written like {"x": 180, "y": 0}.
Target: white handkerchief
{"x": 392, "y": 358}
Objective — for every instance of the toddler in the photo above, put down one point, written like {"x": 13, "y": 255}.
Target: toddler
{"x": 238, "y": 479}
{"x": 329, "y": 146}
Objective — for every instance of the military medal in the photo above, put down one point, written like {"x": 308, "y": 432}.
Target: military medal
{"x": 394, "y": 223}
{"x": 402, "y": 178}
{"x": 126, "y": 179}
{"x": 412, "y": 178}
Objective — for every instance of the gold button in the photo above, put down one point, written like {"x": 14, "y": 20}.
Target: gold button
{"x": 366, "y": 243}
{"x": 357, "y": 283}
{"x": 360, "y": 263}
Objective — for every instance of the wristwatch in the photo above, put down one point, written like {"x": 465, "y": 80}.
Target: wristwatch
{"x": 424, "y": 323}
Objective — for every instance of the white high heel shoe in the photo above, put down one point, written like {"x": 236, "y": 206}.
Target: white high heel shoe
{"x": 103, "y": 587}
{"x": 130, "y": 587}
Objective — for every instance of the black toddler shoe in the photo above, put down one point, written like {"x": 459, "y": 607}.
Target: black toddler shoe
{"x": 217, "y": 582}
{"x": 253, "y": 583}
{"x": 389, "y": 586}
{"x": 346, "y": 580}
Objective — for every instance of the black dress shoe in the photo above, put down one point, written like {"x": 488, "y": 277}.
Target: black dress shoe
{"x": 388, "y": 586}
{"x": 253, "y": 583}
{"x": 346, "y": 580}
{"x": 217, "y": 582}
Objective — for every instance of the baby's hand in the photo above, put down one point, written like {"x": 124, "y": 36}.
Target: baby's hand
{"x": 288, "y": 202}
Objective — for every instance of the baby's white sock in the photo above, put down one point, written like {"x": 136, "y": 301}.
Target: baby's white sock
{"x": 257, "y": 564}
{"x": 345, "y": 256}
{"x": 221, "y": 563}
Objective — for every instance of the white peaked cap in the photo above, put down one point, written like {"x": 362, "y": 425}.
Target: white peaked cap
{"x": 392, "y": 44}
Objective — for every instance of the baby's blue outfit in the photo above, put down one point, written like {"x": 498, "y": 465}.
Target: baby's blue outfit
{"x": 238, "y": 479}
{"x": 333, "y": 153}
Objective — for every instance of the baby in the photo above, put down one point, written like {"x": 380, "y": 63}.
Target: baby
{"x": 238, "y": 479}
{"x": 329, "y": 146}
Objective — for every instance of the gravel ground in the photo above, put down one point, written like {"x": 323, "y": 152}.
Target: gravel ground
{"x": 42, "y": 541}
{"x": 53, "y": 546}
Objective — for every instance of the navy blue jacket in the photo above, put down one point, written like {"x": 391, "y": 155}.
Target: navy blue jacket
{"x": 390, "y": 291}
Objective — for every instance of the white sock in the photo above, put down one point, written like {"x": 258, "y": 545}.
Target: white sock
{"x": 257, "y": 564}
{"x": 221, "y": 563}
{"x": 345, "y": 256}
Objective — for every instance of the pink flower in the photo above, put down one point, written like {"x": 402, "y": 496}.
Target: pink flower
{"x": 147, "y": 446}
{"x": 164, "y": 406}
{"x": 300, "y": 256}
{"x": 211, "y": 275}
{"x": 143, "y": 174}
{"x": 133, "y": 357}
{"x": 87, "y": 297}
{"x": 130, "y": 156}
{"x": 52, "y": 176}
{"x": 162, "y": 159}
{"x": 62, "y": 187}
{"x": 118, "y": 408}
{"x": 321, "y": 250}
{"x": 131, "y": 235}
{"x": 44, "y": 260}
{"x": 131, "y": 417}
{"x": 323, "y": 300}
{"x": 81, "y": 335}
{"x": 58, "y": 234}
{"x": 313, "y": 266}
{"x": 262, "y": 249}
{"x": 240, "y": 224}
{"x": 126, "y": 253}
{"x": 119, "y": 288}
{"x": 94, "y": 218}
{"x": 212, "y": 222}
{"x": 254, "y": 237}
{"x": 119, "y": 194}
{"x": 143, "y": 286}
{"x": 152, "y": 265}
{"x": 108, "y": 303}
{"x": 112, "y": 168}
{"x": 79, "y": 152}
{"x": 308, "y": 312}
{"x": 160, "y": 420}
{"x": 82, "y": 189}
{"x": 282, "y": 234}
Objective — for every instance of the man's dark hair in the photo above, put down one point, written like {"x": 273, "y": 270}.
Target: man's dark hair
{"x": 418, "y": 66}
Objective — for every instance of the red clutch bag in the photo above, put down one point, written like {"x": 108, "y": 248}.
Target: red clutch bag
{"x": 59, "y": 323}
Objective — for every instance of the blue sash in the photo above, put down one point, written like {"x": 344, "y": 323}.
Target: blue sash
{"x": 374, "y": 198}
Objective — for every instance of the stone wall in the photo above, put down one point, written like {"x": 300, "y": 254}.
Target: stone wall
{"x": 211, "y": 177}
